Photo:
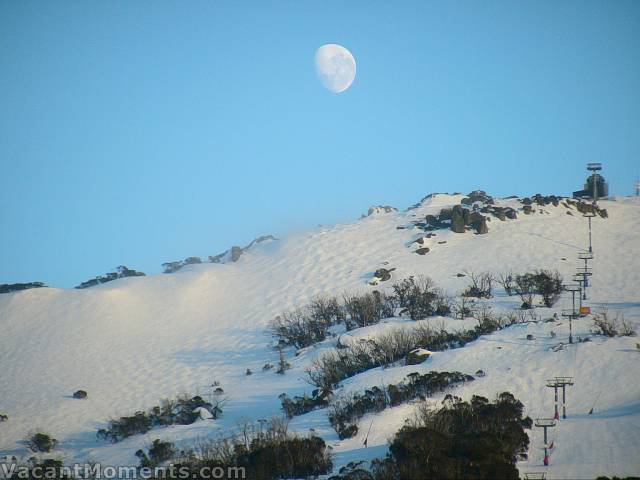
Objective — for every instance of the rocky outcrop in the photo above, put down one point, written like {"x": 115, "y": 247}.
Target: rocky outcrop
{"x": 376, "y": 209}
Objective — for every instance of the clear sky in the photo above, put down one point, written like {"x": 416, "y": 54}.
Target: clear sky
{"x": 139, "y": 132}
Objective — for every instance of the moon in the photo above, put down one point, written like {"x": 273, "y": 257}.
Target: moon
{"x": 336, "y": 67}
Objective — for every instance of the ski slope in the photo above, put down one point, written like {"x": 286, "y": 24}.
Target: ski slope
{"x": 131, "y": 342}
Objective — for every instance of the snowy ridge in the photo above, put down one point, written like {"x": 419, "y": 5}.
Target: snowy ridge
{"x": 133, "y": 341}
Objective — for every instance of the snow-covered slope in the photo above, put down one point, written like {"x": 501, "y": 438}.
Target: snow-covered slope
{"x": 131, "y": 342}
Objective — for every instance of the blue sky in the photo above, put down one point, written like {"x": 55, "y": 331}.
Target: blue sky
{"x": 141, "y": 132}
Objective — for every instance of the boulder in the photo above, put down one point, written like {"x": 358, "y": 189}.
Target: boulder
{"x": 383, "y": 274}
{"x": 422, "y": 251}
{"x": 80, "y": 395}
{"x": 457, "y": 219}
{"x": 417, "y": 356}
{"x": 510, "y": 213}
{"x": 528, "y": 210}
{"x": 481, "y": 226}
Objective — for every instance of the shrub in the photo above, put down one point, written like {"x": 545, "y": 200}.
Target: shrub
{"x": 120, "y": 272}
{"x": 419, "y": 297}
{"x": 328, "y": 370}
{"x": 505, "y": 280}
{"x": 304, "y": 404}
{"x": 548, "y": 284}
{"x": 41, "y": 442}
{"x": 182, "y": 411}
{"x": 263, "y": 452}
{"x": 611, "y": 326}
{"x": 345, "y": 412}
{"x": 16, "y": 287}
{"x": 298, "y": 328}
{"x": 367, "y": 309}
{"x": 3, "y": 417}
{"x": 481, "y": 285}
{"x": 525, "y": 287}
{"x": 159, "y": 452}
{"x": 462, "y": 440}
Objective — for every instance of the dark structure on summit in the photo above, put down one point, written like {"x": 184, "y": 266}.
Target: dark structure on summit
{"x": 602, "y": 188}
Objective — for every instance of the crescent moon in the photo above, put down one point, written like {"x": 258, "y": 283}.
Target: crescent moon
{"x": 336, "y": 67}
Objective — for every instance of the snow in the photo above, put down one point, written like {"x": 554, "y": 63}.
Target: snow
{"x": 134, "y": 341}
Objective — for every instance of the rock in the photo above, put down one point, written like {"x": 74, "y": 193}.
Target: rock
{"x": 417, "y": 356}
{"x": 3, "y": 418}
{"x": 400, "y": 227}
{"x": 480, "y": 373}
{"x": 377, "y": 209}
{"x": 203, "y": 413}
{"x": 530, "y": 337}
{"x": 569, "y": 213}
{"x": 500, "y": 213}
{"x": 457, "y": 219}
{"x": 442, "y": 242}
{"x": 422, "y": 251}
{"x": 460, "y": 275}
{"x": 510, "y": 213}
{"x": 383, "y": 274}
{"x": 527, "y": 209}
{"x": 80, "y": 395}
{"x": 526, "y": 201}
{"x": 235, "y": 253}
{"x": 481, "y": 226}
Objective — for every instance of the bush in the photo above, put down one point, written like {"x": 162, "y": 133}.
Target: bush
{"x": 345, "y": 412}
{"x": 16, "y": 287}
{"x": 481, "y": 285}
{"x": 462, "y": 440}
{"x": 610, "y": 326}
{"x": 525, "y": 287}
{"x": 263, "y": 452}
{"x": 41, "y": 442}
{"x": 328, "y": 370}
{"x": 121, "y": 272}
{"x": 548, "y": 284}
{"x": 169, "y": 412}
{"x": 3, "y": 417}
{"x": 299, "y": 328}
{"x": 159, "y": 452}
{"x": 304, "y": 404}
{"x": 419, "y": 297}
{"x": 367, "y": 309}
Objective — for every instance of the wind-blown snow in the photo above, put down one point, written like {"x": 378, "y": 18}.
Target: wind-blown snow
{"x": 131, "y": 342}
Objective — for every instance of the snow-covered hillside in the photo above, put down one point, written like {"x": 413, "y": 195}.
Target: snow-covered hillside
{"x": 131, "y": 342}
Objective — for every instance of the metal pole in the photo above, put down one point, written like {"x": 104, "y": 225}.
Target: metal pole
{"x": 564, "y": 402}
{"x": 556, "y": 415}
{"x": 590, "y": 246}
{"x": 584, "y": 291}
{"x": 586, "y": 280}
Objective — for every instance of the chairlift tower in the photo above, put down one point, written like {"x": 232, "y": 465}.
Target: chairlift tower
{"x": 585, "y": 273}
{"x": 535, "y": 476}
{"x": 586, "y": 256}
{"x": 579, "y": 279}
{"x": 556, "y": 383}
{"x": 572, "y": 313}
{"x": 546, "y": 424}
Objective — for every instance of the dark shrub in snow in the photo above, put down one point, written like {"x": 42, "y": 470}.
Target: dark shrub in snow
{"x": 159, "y": 452}
{"x": 15, "y": 287}
{"x": 41, "y": 442}
{"x": 121, "y": 272}
{"x": 463, "y": 440}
